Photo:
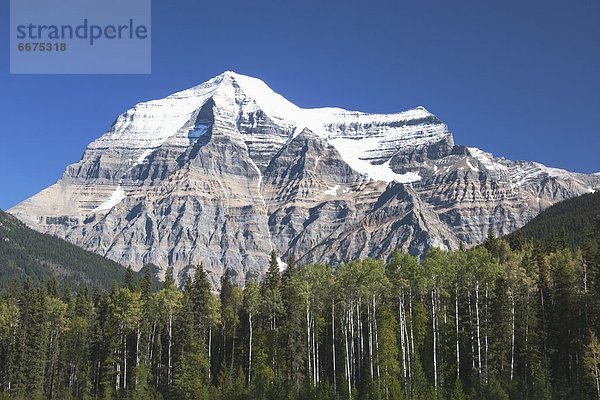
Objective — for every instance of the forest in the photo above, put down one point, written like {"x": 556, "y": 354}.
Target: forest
{"x": 491, "y": 322}
{"x": 568, "y": 223}
{"x": 27, "y": 253}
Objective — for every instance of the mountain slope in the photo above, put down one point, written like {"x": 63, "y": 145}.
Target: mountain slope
{"x": 565, "y": 224}
{"x": 27, "y": 253}
{"x": 225, "y": 172}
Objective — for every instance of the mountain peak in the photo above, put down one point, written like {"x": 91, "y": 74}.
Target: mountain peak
{"x": 364, "y": 140}
{"x": 220, "y": 175}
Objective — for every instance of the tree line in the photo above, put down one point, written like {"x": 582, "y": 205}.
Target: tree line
{"x": 489, "y": 322}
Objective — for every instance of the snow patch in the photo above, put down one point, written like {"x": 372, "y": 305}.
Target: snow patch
{"x": 142, "y": 157}
{"x": 259, "y": 183}
{"x": 553, "y": 172}
{"x": 439, "y": 243}
{"x": 475, "y": 169}
{"x": 484, "y": 158}
{"x": 115, "y": 198}
{"x": 333, "y": 191}
{"x": 352, "y": 154}
{"x": 282, "y": 265}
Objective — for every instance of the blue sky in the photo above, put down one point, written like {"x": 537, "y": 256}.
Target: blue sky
{"x": 520, "y": 79}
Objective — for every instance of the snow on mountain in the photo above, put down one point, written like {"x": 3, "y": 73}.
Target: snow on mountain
{"x": 365, "y": 141}
{"x": 115, "y": 198}
{"x": 356, "y": 153}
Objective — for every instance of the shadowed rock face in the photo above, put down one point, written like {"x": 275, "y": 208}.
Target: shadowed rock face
{"x": 225, "y": 172}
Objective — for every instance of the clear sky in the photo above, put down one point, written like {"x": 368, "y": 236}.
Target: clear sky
{"x": 520, "y": 79}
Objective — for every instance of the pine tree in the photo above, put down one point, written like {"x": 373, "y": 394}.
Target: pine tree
{"x": 457, "y": 392}
{"x": 129, "y": 279}
{"x": 169, "y": 279}
{"x": 273, "y": 276}
{"x": 292, "y": 329}
{"x": 290, "y": 269}
{"x": 491, "y": 243}
{"x": 31, "y": 353}
{"x": 189, "y": 382}
{"x": 190, "y": 362}
{"x": 389, "y": 354}
{"x": 272, "y": 305}
{"x": 200, "y": 298}
{"x": 146, "y": 288}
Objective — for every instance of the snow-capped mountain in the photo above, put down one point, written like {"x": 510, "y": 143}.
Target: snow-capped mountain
{"x": 226, "y": 171}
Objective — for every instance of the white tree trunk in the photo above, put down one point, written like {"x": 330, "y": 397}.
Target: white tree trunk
{"x": 402, "y": 338}
{"x": 313, "y": 350}
{"x": 359, "y": 332}
{"x": 456, "y": 327}
{"x": 124, "y": 361}
{"x": 412, "y": 336}
{"x": 250, "y": 349}
{"x": 209, "y": 351}
{"x": 408, "y": 354}
{"x": 471, "y": 336}
{"x": 352, "y": 348}
{"x": 486, "y": 335}
{"x": 370, "y": 322}
{"x": 479, "y": 363}
{"x": 437, "y": 335}
{"x": 410, "y": 310}
{"x": 138, "y": 337}
{"x": 118, "y": 377}
{"x": 433, "y": 327}
{"x": 376, "y": 336}
{"x": 151, "y": 342}
{"x": 512, "y": 338}
{"x": 169, "y": 356}
{"x": 347, "y": 361}
{"x": 333, "y": 345}
{"x": 316, "y": 350}
{"x": 308, "y": 339}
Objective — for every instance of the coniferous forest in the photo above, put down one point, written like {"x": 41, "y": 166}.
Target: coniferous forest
{"x": 486, "y": 323}
{"x": 27, "y": 253}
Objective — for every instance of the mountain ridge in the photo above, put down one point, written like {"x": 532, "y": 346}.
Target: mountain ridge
{"x": 228, "y": 170}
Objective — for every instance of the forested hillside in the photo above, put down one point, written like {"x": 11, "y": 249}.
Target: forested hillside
{"x": 569, "y": 223}
{"x": 25, "y": 253}
{"x": 487, "y": 323}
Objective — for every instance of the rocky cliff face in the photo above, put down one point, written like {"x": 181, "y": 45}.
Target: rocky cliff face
{"x": 225, "y": 172}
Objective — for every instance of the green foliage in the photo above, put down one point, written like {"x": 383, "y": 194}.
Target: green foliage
{"x": 190, "y": 374}
{"x": 457, "y": 392}
{"x": 490, "y": 322}
{"x": 25, "y": 253}
{"x": 569, "y": 223}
